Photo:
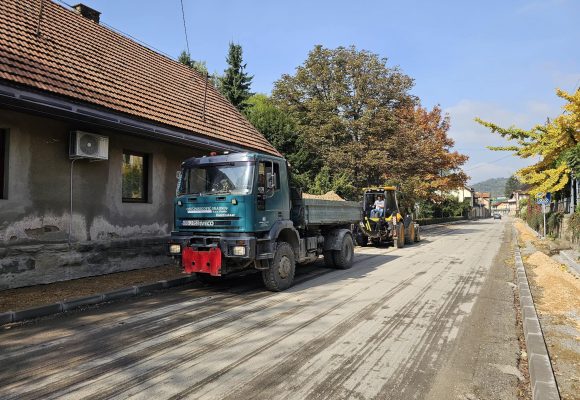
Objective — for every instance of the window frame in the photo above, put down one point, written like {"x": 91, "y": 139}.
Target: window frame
{"x": 145, "y": 179}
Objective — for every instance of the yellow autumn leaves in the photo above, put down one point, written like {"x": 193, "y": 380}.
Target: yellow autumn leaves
{"x": 550, "y": 142}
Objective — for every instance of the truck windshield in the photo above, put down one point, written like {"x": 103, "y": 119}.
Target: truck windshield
{"x": 235, "y": 177}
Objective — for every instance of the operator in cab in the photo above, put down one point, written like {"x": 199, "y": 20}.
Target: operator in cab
{"x": 378, "y": 208}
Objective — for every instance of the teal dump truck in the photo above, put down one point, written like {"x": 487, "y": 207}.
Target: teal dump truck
{"x": 235, "y": 212}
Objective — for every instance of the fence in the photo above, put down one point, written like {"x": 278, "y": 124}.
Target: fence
{"x": 562, "y": 205}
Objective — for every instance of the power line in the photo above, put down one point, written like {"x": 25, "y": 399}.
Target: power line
{"x": 185, "y": 27}
{"x": 481, "y": 166}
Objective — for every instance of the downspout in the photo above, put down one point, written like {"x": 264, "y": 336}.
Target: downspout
{"x": 70, "y": 222}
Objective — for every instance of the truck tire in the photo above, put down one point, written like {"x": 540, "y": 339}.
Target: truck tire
{"x": 280, "y": 275}
{"x": 362, "y": 239}
{"x": 409, "y": 239}
{"x": 400, "y": 242}
{"x": 418, "y": 234}
{"x": 328, "y": 258}
{"x": 344, "y": 257}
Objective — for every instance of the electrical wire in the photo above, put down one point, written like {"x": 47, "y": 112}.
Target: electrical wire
{"x": 185, "y": 28}
{"x": 493, "y": 161}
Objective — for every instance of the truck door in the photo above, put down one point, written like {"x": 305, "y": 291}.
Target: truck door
{"x": 272, "y": 199}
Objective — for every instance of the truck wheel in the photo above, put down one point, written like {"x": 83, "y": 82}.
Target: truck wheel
{"x": 280, "y": 275}
{"x": 328, "y": 258}
{"x": 411, "y": 237}
{"x": 343, "y": 258}
{"x": 400, "y": 242}
{"x": 418, "y": 234}
{"x": 362, "y": 239}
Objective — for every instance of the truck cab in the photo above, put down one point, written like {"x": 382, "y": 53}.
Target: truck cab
{"x": 232, "y": 212}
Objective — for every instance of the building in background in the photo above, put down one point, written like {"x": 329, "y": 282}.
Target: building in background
{"x": 482, "y": 204}
{"x": 514, "y": 201}
{"x": 93, "y": 128}
{"x": 463, "y": 193}
{"x": 500, "y": 205}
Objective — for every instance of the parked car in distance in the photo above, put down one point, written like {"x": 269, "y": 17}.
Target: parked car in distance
{"x": 496, "y": 216}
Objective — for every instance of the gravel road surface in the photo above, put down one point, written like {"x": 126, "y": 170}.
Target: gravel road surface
{"x": 389, "y": 328}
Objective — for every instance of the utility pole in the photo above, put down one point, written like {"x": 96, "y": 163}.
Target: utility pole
{"x": 544, "y": 213}
{"x": 572, "y": 192}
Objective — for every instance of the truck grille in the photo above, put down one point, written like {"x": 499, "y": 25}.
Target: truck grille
{"x": 209, "y": 222}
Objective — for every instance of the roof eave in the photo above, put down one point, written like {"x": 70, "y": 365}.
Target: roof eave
{"x": 25, "y": 99}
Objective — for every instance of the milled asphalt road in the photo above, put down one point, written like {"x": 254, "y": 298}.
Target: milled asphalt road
{"x": 389, "y": 328}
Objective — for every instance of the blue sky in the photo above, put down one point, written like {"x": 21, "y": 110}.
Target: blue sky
{"x": 499, "y": 60}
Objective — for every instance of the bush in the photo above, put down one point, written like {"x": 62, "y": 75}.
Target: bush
{"x": 532, "y": 214}
{"x": 448, "y": 207}
{"x": 553, "y": 222}
{"x": 523, "y": 207}
{"x": 574, "y": 225}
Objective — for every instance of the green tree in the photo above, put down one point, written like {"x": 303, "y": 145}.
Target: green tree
{"x": 280, "y": 130}
{"x": 511, "y": 185}
{"x": 344, "y": 102}
{"x": 199, "y": 66}
{"x": 235, "y": 83}
{"x": 556, "y": 143}
{"x": 356, "y": 114}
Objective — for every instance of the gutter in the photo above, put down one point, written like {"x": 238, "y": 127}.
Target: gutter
{"x": 51, "y": 106}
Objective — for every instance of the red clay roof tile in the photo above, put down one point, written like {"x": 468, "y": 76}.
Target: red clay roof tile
{"x": 78, "y": 58}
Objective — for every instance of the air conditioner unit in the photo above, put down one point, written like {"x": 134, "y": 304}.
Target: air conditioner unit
{"x": 88, "y": 145}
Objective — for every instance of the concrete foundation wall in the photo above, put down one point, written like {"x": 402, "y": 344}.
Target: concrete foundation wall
{"x": 107, "y": 234}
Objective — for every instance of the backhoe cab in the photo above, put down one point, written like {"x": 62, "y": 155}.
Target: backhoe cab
{"x": 383, "y": 221}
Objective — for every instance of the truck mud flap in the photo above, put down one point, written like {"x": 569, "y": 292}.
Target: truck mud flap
{"x": 208, "y": 262}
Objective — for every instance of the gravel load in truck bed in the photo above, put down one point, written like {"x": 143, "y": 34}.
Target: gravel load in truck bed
{"x": 327, "y": 196}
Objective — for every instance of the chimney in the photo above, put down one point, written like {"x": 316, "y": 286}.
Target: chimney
{"x": 87, "y": 12}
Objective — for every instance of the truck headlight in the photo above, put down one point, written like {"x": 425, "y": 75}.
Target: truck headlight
{"x": 239, "y": 250}
{"x": 175, "y": 248}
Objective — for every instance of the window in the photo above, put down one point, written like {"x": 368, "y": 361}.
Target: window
{"x": 233, "y": 178}
{"x": 269, "y": 175}
{"x": 135, "y": 177}
{"x": 3, "y": 163}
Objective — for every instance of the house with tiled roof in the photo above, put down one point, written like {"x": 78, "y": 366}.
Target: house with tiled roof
{"x": 482, "y": 204}
{"x": 93, "y": 128}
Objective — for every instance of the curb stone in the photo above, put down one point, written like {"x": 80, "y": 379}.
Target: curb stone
{"x": 542, "y": 377}
{"x": 83, "y": 301}
{"x": 63, "y": 306}
{"x": 36, "y": 312}
{"x": 569, "y": 260}
{"x": 6, "y": 317}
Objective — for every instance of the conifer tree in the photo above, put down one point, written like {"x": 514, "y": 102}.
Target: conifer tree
{"x": 235, "y": 83}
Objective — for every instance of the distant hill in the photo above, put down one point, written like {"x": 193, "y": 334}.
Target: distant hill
{"x": 496, "y": 186}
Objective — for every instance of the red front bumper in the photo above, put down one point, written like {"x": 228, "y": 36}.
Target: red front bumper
{"x": 208, "y": 262}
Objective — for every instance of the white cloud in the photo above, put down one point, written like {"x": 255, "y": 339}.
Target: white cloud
{"x": 472, "y": 138}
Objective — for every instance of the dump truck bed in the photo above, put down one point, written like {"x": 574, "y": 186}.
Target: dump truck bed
{"x": 331, "y": 212}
